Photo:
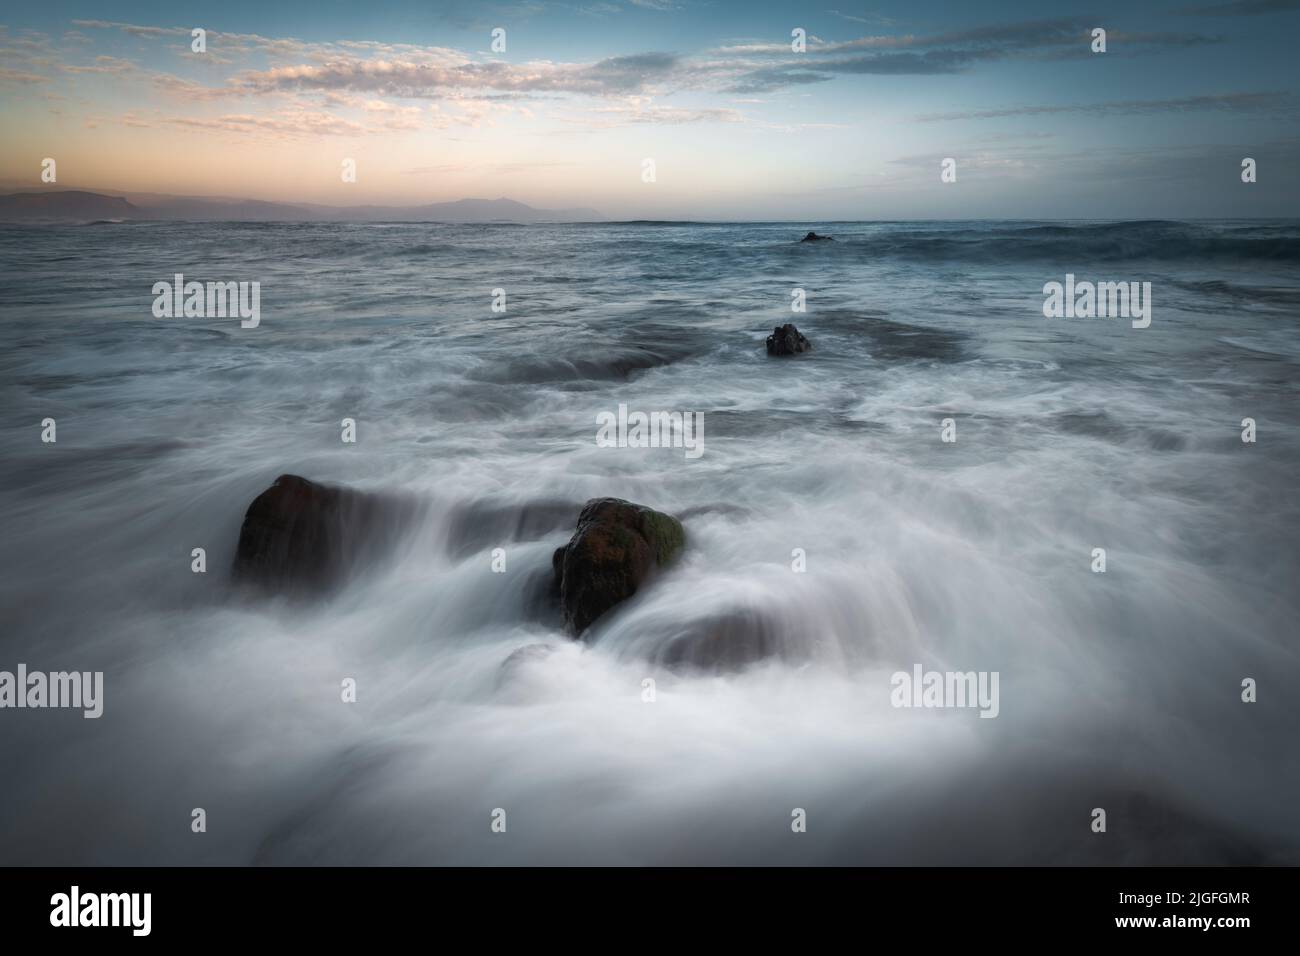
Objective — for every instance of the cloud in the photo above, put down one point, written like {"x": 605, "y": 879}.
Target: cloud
{"x": 777, "y": 78}
{"x": 503, "y": 168}
{"x": 181, "y": 88}
{"x": 1230, "y": 102}
{"x": 17, "y": 76}
{"x": 612, "y": 76}
{"x": 868, "y": 18}
{"x": 1242, "y": 8}
{"x": 1002, "y": 39}
{"x": 300, "y": 87}
{"x": 672, "y": 115}
{"x": 287, "y": 125}
{"x": 131, "y": 28}
{"x": 936, "y": 54}
{"x": 105, "y": 64}
{"x": 406, "y": 70}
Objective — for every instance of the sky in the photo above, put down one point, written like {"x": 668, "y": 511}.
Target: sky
{"x": 738, "y": 124}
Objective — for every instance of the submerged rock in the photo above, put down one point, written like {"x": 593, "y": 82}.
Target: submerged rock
{"x": 519, "y": 660}
{"x": 616, "y": 548}
{"x": 787, "y": 340}
{"x": 813, "y": 237}
{"x": 724, "y": 641}
{"x": 299, "y": 536}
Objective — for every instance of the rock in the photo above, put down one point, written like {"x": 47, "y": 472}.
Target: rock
{"x": 813, "y": 237}
{"x": 519, "y": 661}
{"x": 724, "y": 641}
{"x": 787, "y": 340}
{"x": 616, "y": 549}
{"x": 299, "y": 536}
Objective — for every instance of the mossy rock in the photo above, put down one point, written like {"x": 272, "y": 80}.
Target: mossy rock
{"x": 617, "y": 547}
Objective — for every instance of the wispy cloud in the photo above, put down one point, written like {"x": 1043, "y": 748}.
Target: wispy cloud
{"x": 616, "y": 75}
{"x": 1231, "y": 102}
{"x": 288, "y": 124}
{"x": 508, "y": 169}
{"x": 672, "y": 115}
{"x": 18, "y": 76}
{"x": 939, "y": 53}
{"x": 1242, "y": 8}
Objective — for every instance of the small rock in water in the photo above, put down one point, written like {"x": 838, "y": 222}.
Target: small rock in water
{"x": 787, "y": 340}
{"x": 813, "y": 237}
{"x": 616, "y": 548}
{"x": 724, "y": 641}
{"x": 519, "y": 659}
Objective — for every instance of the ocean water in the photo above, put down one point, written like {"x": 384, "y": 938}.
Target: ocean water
{"x": 1119, "y": 690}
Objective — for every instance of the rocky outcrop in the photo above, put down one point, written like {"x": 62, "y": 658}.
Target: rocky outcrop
{"x": 617, "y": 547}
{"x": 787, "y": 340}
{"x": 302, "y": 537}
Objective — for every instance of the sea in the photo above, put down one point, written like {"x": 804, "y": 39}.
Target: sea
{"x": 938, "y": 484}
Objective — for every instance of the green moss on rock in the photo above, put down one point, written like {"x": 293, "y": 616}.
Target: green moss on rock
{"x": 617, "y": 547}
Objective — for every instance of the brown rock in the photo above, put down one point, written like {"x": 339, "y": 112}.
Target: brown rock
{"x": 615, "y": 550}
{"x": 299, "y": 536}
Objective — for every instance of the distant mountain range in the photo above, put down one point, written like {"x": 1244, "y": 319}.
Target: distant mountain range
{"x": 74, "y": 205}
